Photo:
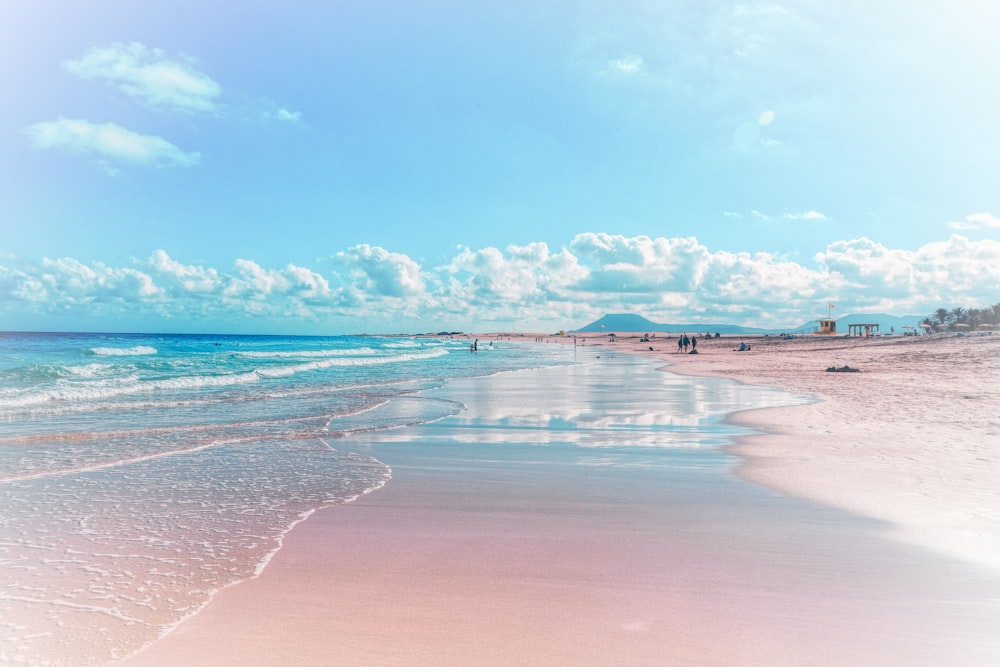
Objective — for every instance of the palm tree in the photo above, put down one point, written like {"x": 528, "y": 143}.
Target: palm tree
{"x": 973, "y": 317}
{"x": 942, "y": 317}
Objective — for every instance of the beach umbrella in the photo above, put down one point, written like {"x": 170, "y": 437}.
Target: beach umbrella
{"x": 925, "y": 326}
{"x": 961, "y": 326}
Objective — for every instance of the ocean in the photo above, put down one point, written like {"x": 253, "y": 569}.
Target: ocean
{"x": 141, "y": 474}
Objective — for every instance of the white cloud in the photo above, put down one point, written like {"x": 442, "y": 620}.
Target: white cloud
{"x": 528, "y": 286}
{"x": 628, "y": 65}
{"x": 69, "y": 282}
{"x": 498, "y": 282}
{"x": 761, "y": 280}
{"x": 976, "y": 221}
{"x": 288, "y": 290}
{"x": 641, "y": 264}
{"x": 811, "y": 215}
{"x": 109, "y": 142}
{"x": 194, "y": 279}
{"x": 306, "y": 283}
{"x": 946, "y": 272}
{"x": 254, "y": 281}
{"x": 149, "y": 76}
{"x": 805, "y": 215}
{"x": 751, "y": 29}
{"x": 376, "y": 271}
{"x": 288, "y": 116}
{"x": 766, "y": 117}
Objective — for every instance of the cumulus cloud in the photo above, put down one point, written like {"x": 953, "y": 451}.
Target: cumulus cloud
{"x": 108, "y": 141}
{"x": 532, "y": 285}
{"x": 190, "y": 278}
{"x": 955, "y": 270}
{"x": 69, "y": 282}
{"x": 149, "y": 76}
{"x": 379, "y": 272}
{"x": 247, "y": 281}
{"x": 641, "y": 264}
{"x": 762, "y": 281}
{"x": 502, "y": 283}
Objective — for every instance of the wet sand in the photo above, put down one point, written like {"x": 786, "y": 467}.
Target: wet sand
{"x": 504, "y": 539}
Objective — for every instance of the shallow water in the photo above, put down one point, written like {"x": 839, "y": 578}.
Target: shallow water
{"x": 140, "y": 474}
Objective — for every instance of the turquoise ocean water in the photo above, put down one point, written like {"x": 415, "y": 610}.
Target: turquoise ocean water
{"x": 141, "y": 474}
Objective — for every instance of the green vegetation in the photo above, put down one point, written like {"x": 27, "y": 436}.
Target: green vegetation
{"x": 963, "y": 319}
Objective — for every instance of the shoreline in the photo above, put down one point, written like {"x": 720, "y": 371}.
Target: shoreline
{"x": 495, "y": 569}
{"x": 904, "y": 440}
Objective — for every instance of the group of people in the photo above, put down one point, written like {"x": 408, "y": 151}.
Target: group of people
{"x": 683, "y": 343}
{"x": 690, "y": 345}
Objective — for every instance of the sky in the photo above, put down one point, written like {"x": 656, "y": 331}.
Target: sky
{"x": 400, "y": 167}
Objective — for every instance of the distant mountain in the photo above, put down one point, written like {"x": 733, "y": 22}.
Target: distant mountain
{"x": 626, "y": 322}
{"x": 630, "y": 323}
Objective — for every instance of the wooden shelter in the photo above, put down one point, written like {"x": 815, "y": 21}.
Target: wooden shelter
{"x": 862, "y": 329}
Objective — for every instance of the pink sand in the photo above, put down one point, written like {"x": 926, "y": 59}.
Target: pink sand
{"x": 503, "y": 556}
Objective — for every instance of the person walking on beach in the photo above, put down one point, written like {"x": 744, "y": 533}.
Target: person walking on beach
{"x": 687, "y": 342}
{"x": 694, "y": 343}
{"x": 680, "y": 343}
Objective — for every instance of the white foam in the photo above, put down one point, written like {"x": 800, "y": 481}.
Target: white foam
{"x": 80, "y": 392}
{"x": 298, "y": 354}
{"x": 284, "y": 371}
{"x": 138, "y": 350}
{"x": 88, "y": 370}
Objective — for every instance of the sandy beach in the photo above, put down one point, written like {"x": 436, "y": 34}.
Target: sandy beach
{"x": 910, "y": 439}
{"x": 859, "y": 528}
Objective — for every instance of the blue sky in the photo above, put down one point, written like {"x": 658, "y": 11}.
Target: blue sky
{"x": 347, "y": 167}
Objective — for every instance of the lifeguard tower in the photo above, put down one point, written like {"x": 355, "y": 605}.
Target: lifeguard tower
{"x": 827, "y": 327}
